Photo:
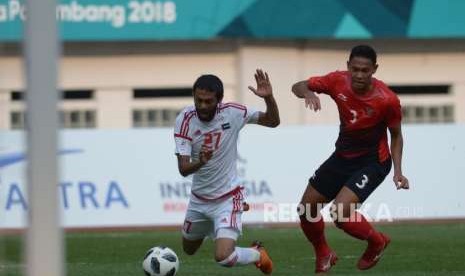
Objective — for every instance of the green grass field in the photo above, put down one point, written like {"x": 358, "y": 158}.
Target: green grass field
{"x": 416, "y": 249}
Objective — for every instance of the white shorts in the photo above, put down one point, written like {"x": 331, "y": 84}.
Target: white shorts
{"x": 205, "y": 218}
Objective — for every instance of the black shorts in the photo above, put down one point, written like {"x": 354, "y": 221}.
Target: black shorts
{"x": 362, "y": 175}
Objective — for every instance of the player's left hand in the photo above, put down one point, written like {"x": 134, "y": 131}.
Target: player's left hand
{"x": 401, "y": 182}
{"x": 264, "y": 88}
{"x": 206, "y": 154}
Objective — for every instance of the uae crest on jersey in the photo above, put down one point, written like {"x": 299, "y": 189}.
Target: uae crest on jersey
{"x": 225, "y": 126}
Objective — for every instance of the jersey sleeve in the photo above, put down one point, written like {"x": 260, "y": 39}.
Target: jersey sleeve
{"x": 322, "y": 84}
{"x": 394, "y": 113}
{"x": 241, "y": 114}
{"x": 183, "y": 141}
{"x": 252, "y": 116}
{"x": 248, "y": 116}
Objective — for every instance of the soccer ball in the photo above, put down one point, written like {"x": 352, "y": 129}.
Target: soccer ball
{"x": 160, "y": 261}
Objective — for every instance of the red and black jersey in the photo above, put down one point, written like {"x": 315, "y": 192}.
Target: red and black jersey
{"x": 364, "y": 118}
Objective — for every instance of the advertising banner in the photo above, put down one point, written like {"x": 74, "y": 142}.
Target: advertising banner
{"x": 155, "y": 20}
{"x": 125, "y": 178}
{"x": 108, "y": 20}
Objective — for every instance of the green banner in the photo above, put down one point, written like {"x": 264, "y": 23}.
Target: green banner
{"x": 104, "y": 20}
{"x": 136, "y": 20}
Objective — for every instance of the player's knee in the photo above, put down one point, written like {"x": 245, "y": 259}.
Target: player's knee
{"x": 341, "y": 220}
{"x": 220, "y": 256}
{"x": 307, "y": 211}
{"x": 226, "y": 258}
{"x": 190, "y": 247}
{"x": 340, "y": 213}
{"x": 189, "y": 250}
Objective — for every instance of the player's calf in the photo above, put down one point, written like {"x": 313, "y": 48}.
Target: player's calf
{"x": 226, "y": 260}
{"x": 225, "y": 253}
{"x": 228, "y": 255}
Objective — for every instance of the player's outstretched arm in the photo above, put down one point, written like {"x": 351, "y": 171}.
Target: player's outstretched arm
{"x": 270, "y": 117}
{"x": 301, "y": 90}
{"x": 397, "y": 144}
{"x": 186, "y": 166}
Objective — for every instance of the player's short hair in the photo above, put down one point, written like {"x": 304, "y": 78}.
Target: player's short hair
{"x": 210, "y": 83}
{"x": 364, "y": 51}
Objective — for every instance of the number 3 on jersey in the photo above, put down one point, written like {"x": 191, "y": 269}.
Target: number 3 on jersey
{"x": 212, "y": 140}
{"x": 354, "y": 116}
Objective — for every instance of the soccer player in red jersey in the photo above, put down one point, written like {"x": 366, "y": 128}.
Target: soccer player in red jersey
{"x": 362, "y": 159}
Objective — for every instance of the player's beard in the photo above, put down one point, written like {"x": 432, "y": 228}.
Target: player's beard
{"x": 206, "y": 115}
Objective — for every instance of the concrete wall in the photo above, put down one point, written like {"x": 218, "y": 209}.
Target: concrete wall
{"x": 113, "y": 78}
{"x": 113, "y": 70}
{"x": 291, "y": 63}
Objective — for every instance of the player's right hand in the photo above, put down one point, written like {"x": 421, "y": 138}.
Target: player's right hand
{"x": 206, "y": 154}
{"x": 312, "y": 101}
{"x": 264, "y": 88}
{"x": 401, "y": 182}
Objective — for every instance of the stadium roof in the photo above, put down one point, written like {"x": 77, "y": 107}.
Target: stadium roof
{"x": 134, "y": 20}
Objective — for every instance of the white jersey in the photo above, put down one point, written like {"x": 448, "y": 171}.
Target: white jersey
{"x": 219, "y": 175}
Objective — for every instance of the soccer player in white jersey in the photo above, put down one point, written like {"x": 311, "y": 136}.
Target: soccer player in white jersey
{"x": 206, "y": 146}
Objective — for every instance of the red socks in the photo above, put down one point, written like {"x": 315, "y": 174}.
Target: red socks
{"x": 314, "y": 231}
{"x": 358, "y": 227}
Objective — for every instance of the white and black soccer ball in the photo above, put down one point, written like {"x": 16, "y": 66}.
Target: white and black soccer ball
{"x": 160, "y": 261}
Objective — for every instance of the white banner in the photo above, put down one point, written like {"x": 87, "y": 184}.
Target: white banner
{"x": 130, "y": 177}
